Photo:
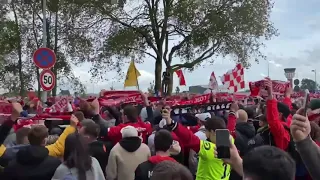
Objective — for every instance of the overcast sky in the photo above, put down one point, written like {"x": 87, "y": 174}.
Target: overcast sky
{"x": 297, "y": 46}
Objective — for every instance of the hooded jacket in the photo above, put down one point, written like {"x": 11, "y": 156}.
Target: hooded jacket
{"x": 144, "y": 170}
{"x": 125, "y": 157}
{"x": 244, "y": 132}
{"x": 100, "y": 150}
{"x": 32, "y": 162}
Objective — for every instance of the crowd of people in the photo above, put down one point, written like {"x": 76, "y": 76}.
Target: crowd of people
{"x": 270, "y": 140}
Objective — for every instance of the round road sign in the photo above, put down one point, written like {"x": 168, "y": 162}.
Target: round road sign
{"x": 47, "y": 80}
{"x": 44, "y": 58}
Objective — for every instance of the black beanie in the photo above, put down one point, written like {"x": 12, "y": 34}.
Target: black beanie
{"x": 284, "y": 109}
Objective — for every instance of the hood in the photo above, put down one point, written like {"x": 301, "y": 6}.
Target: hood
{"x": 247, "y": 129}
{"x": 32, "y": 155}
{"x": 158, "y": 159}
{"x": 130, "y": 144}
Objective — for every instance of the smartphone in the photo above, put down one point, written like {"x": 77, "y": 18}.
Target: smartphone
{"x": 306, "y": 101}
{"x": 223, "y": 143}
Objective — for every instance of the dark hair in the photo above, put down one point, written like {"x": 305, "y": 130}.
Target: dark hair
{"x": 91, "y": 128}
{"x": 269, "y": 162}
{"x": 251, "y": 112}
{"x": 21, "y": 134}
{"x": 162, "y": 140}
{"x": 76, "y": 155}
{"x": 214, "y": 123}
{"x": 37, "y": 134}
{"x": 79, "y": 115}
{"x": 170, "y": 170}
{"x": 131, "y": 113}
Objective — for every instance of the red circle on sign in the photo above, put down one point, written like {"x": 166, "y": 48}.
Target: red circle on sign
{"x": 44, "y": 58}
{"x": 47, "y": 80}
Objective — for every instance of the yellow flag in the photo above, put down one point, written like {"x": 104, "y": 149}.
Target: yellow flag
{"x": 132, "y": 76}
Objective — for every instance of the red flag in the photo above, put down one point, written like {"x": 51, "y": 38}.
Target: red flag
{"x": 182, "y": 81}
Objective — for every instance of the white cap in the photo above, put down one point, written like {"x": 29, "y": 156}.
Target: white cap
{"x": 129, "y": 131}
{"x": 203, "y": 116}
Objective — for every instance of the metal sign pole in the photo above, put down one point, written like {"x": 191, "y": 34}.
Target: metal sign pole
{"x": 44, "y": 36}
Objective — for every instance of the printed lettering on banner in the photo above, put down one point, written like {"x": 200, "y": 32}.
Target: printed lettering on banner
{"x": 60, "y": 105}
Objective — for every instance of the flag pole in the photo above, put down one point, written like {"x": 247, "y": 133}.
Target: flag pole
{"x": 135, "y": 73}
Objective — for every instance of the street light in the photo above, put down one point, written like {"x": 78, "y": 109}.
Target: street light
{"x": 315, "y": 77}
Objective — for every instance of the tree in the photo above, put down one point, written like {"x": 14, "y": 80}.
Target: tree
{"x": 308, "y": 84}
{"x": 191, "y": 31}
{"x": 22, "y": 34}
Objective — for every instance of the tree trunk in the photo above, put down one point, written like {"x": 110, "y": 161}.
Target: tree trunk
{"x": 55, "y": 49}
{"x": 157, "y": 75}
{"x": 170, "y": 85}
{"x": 19, "y": 51}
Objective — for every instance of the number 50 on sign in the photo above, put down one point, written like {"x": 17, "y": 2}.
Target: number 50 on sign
{"x": 47, "y": 80}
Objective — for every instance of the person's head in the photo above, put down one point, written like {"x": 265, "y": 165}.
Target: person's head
{"x": 162, "y": 141}
{"x": 211, "y": 125}
{"x": 263, "y": 120}
{"x": 130, "y": 114}
{"x": 129, "y": 132}
{"x": 22, "y": 135}
{"x": 76, "y": 154}
{"x": 250, "y": 112}
{"x": 242, "y": 115}
{"x": 268, "y": 162}
{"x": 79, "y": 115}
{"x": 170, "y": 170}
{"x": 284, "y": 111}
{"x": 202, "y": 117}
{"x": 89, "y": 130}
{"x": 38, "y": 135}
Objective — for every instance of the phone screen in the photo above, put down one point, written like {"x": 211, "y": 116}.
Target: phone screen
{"x": 223, "y": 143}
{"x": 306, "y": 101}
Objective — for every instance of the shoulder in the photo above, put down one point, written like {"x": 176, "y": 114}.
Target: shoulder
{"x": 143, "y": 146}
{"x": 95, "y": 162}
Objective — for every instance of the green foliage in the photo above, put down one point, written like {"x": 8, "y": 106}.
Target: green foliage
{"x": 192, "y": 31}
{"x": 308, "y": 84}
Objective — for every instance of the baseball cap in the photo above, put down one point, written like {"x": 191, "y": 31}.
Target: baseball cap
{"x": 129, "y": 131}
{"x": 203, "y": 116}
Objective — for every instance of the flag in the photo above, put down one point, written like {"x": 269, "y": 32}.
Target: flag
{"x": 182, "y": 81}
{"x": 213, "y": 83}
{"x": 234, "y": 79}
{"x": 132, "y": 76}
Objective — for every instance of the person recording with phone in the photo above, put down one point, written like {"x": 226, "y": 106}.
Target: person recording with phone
{"x": 209, "y": 167}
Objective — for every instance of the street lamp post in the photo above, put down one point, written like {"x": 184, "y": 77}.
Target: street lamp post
{"x": 315, "y": 77}
{"x": 44, "y": 38}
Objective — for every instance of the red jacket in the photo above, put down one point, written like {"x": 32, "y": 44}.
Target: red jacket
{"x": 280, "y": 134}
{"x": 187, "y": 138}
{"x": 114, "y": 133}
{"x": 287, "y": 101}
{"x": 231, "y": 126}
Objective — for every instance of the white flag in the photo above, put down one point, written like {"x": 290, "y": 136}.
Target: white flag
{"x": 213, "y": 84}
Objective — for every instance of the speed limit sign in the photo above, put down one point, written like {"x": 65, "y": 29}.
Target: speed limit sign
{"x": 47, "y": 80}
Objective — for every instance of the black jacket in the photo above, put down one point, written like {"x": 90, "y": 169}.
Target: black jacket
{"x": 145, "y": 169}
{"x": 32, "y": 162}
{"x": 100, "y": 150}
{"x": 244, "y": 132}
